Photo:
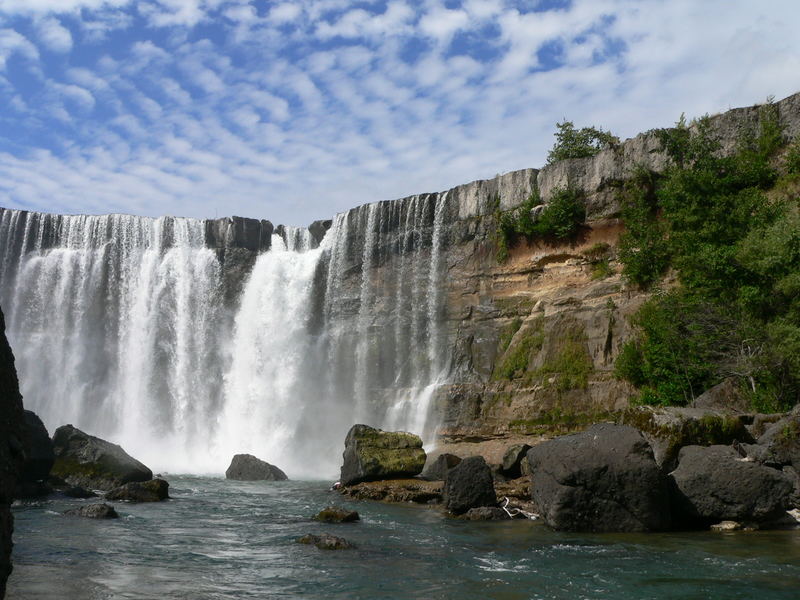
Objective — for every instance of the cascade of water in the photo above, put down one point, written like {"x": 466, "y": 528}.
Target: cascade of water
{"x": 120, "y": 326}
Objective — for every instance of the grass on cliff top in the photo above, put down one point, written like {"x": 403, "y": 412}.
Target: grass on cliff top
{"x": 729, "y": 228}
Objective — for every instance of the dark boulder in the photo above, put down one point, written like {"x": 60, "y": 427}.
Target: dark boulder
{"x": 714, "y": 484}
{"x": 88, "y": 461}
{"x": 371, "y": 454}
{"x": 154, "y": 490}
{"x": 246, "y": 467}
{"x": 438, "y": 469}
{"x": 486, "y": 513}
{"x": 603, "y": 479}
{"x": 725, "y": 396}
{"x": 39, "y": 456}
{"x": 513, "y": 458}
{"x": 469, "y": 485}
{"x": 93, "y": 511}
{"x": 326, "y": 541}
{"x": 334, "y": 514}
{"x": 12, "y": 421}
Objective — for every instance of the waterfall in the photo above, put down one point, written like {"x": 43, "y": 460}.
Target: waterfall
{"x": 138, "y": 330}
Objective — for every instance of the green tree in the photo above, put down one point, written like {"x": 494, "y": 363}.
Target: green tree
{"x": 579, "y": 143}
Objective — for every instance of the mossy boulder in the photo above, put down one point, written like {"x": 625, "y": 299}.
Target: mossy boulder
{"x": 90, "y": 462}
{"x": 372, "y": 454}
{"x": 668, "y": 429}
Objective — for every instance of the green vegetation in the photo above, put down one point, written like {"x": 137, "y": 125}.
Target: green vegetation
{"x": 571, "y": 365}
{"x": 558, "y": 421}
{"x": 735, "y": 247}
{"x": 560, "y": 219}
{"x": 579, "y": 143}
{"x": 514, "y": 361}
{"x": 508, "y": 334}
{"x": 793, "y": 158}
{"x": 598, "y": 257}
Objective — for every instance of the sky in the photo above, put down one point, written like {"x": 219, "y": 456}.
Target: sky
{"x": 294, "y": 111}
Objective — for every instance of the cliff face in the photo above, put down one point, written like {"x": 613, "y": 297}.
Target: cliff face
{"x": 529, "y": 343}
{"x": 11, "y": 424}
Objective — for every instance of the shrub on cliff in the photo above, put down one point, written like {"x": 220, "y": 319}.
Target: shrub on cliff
{"x": 579, "y": 143}
{"x": 736, "y": 252}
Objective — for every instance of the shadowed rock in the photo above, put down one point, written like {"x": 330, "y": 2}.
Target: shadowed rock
{"x": 88, "y": 461}
{"x": 713, "y": 484}
{"x": 469, "y": 485}
{"x": 512, "y": 460}
{"x": 486, "y": 513}
{"x": 39, "y": 457}
{"x": 440, "y": 467}
{"x": 603, "y": 479}
{"x": 246, "y": 467}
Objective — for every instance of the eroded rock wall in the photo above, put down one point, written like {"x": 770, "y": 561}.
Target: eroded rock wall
{"x": 11, "y": 455}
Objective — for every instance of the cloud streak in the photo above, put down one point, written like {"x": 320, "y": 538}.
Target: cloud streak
{"x": 295, "y": 111}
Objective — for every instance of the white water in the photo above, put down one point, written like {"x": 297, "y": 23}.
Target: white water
{"x": 120, "y": 326}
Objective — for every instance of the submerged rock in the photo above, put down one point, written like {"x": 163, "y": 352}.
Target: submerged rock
{"x": 88, "y": 461}
{"x": 371, "y": 454}
{"x": 246, "y": 467}
{"x": 603, "y": 479}
{"x": 417, "y": 491}
{"x": 154, "y": 490}
{"x": 326, "y": 541}
{"x": 469, "y": 485}
{"x": 75, "y": 491}
{"x": 334, "y": 514}
{"x": 93, "y": 511}
{"x": 440, "y": 467}
{"x": 714, "y": 484}
{"x": 486, "y": 513}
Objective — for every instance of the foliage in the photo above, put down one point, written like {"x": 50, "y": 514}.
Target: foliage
{"x": 793, "y": 157}
{"x": 736, "y": 251}
{"x": 514, "y": 361}
{"x": 579, "y": 143}
{"x": 571, "y": 365}
{"x": 561, "y": 218}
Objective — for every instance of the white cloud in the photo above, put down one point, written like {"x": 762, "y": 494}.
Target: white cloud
{"x": 54, "y": 35}
{"x": 12, "y": 42}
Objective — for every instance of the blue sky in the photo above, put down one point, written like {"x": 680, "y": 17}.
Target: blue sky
{"x": 293, "y": 111}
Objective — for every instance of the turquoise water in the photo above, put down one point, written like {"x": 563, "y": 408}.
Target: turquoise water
{"x": 218, "y": 539}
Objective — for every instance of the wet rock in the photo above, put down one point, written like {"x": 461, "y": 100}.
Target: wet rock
{"x": 780, "y": 443}
{"x": 727, "y": 526}
{"x": 668, "y": 429}
{"x": 372, "y": 454}
{"x": 417, "y": 491}
{"x": 154, "y": 490}
{"x": 326, "y": 541}
{"x": 469, "y": 485}
{"x": 93, "y": 511}
{"x": 334, "y": 514}
{"x": 75, "y": 491}
{"x": 438, "y": 469}
{"x": 88, "y": 461}
{"x": 39, "y": 457}
{"x": 318, "y": 229}
{"x": 486, "y": 513}
{"x": 11, "y": 449}
{"x": 513, "y": 459}
{"x": 246, "y": 467}
{"x": 715, "y": 484}
{"x": 239, "y": 232}
{"x": 603, "y": 479}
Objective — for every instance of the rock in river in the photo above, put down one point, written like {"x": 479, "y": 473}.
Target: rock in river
{"x": 469, "y": 485}
{"x": 371, "y": 454}
{"x": 334, "y": 514}
{"x": 93, "y": 511}
{"x": 326, "y": 541}
{"x": 246, "y": 467}
{"x": 87, "y": 461}
{"x": 603, "y": 479}
{"x": 154, "y": 490}
{"x": 714, "y": 484}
